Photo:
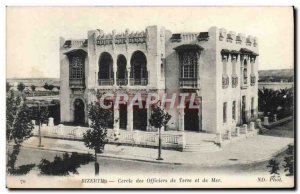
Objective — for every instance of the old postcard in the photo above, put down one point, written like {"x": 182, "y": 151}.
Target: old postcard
{"x": 150, "y": 97}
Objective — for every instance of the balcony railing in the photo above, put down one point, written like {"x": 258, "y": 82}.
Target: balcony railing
{"x": 138, "y": 82}
{"x": 245, "y": 80}
{"x": 252, "y": 79}
{"x": 106, "y": 82}
{"x": 122, "y": 82}
{"x": 234, "y": 81}
{"x": 225, "y": 81}
{"x": 189, "y": 83}
{"x": 76, "y": 82}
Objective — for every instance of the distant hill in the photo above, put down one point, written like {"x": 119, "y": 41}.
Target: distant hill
{"x": 277, "y": 75}
{"x": 277, "y": 72}
{"x": 33, "y": 81}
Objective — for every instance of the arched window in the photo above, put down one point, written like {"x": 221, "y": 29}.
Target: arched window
{"x": 105, "y": 74}
{"x": 121, "y": 71}
{"x": 138, "y": 73}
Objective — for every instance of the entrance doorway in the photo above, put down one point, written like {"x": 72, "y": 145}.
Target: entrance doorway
{"x": 123, "y": 116}
{"x": 140, "y": 117}
{"x": 79, "y": 115}
{"x": 244, "y": 109}
{"x": 191, "y": 118}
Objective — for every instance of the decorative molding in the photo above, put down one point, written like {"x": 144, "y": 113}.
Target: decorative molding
{"x": 222, "y": 34}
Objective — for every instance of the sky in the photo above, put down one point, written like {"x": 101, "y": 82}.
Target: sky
{"x": 33, "y": 32}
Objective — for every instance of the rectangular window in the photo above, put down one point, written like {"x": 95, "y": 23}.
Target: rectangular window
{"x": 76, "y": 68}
{"x": 252, "y": 107}
{"x": 188, "y": 64}
{"x": 234, "y": 110}
{"x": 224, "y": 112}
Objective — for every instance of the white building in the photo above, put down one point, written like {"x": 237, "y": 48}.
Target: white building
{"x": 219, "y": 67}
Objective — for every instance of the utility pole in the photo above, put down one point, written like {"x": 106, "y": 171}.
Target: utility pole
{"x": 159, "y": 145}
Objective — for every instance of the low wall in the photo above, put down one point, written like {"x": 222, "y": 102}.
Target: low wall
{"x": 278, "y": 122}
{"x": 170, "y": 140}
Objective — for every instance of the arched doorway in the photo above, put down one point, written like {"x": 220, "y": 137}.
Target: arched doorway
{"x": 123, "y": 116}
{"x": 138, "y": 73}
{"x": 121, "y": 71}
{"x": 110, "y": 119}
{"x": 140, "y": 117}
{"x": 105, "y": 74}
{"x": 79, "y": 114}
{"x": 191, "y": 118}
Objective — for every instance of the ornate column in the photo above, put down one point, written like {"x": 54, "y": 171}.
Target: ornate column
{"x": 181, "y": 120}
{"x": 116, "y": 119}
{"x": 115, "y": 72}
{"x": 128, "y": 72}
{"x": 129, "y": 115}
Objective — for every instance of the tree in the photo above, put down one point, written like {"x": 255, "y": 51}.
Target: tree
{"x": 274, "y": 165}
{"x": 50, "y": 87}
{"x": 289, "y": 165}
{"x": 21, "y": 87}
{"x": 32, "y": 89}
{"x": 289, "y": 161}
{"x": 95, "y": 137}
{"x": 18, "y": 128}
{"x": 158, "y": 119}
{"x": 278, "y": 102}
{"x": 46, "y": 86}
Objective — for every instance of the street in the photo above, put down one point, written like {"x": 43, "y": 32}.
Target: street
{"x": 110, "y": 166}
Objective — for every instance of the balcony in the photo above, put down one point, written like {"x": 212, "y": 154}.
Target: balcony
{"x": 244, "y": 83}
{"x": 106, "y": 82}
{"x": 141, "y": 80}
{"x": 189, "y": 83}
{"x": 76, "y": 83}
{"x": 122, "y": 78}
{"x": 252, "y": 79}
{"x": 122, "y": 82}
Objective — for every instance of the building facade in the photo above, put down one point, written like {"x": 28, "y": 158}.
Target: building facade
{"x": 220, "y": 68}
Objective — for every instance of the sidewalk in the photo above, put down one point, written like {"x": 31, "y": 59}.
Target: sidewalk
{"x": 251, "y": 150}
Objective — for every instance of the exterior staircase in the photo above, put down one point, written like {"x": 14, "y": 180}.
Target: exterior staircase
{"x": 200, "y": 142}
{"x": 202, "y": 147}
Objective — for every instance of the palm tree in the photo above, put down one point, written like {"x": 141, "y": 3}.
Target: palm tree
{"x": 267, "y": 100}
